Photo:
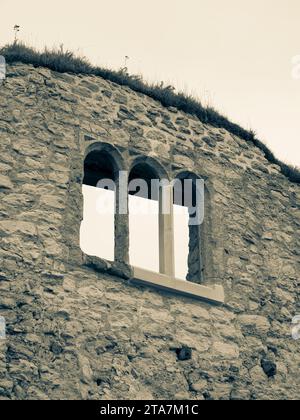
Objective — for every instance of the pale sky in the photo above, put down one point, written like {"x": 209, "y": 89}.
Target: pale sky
{"x": 97, "y": 230}
{"x": 235, "y": 54}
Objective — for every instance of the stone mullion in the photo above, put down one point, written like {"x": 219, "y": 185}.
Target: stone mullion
{"x": 166, "y": 232}
{"x": 121, "y": 221}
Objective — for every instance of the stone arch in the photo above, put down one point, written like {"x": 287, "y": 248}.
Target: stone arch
{"x": 111, "y": 151}
{"x": 152, "y": 164}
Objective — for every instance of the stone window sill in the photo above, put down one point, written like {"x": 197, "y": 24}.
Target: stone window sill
{"x": 213, "y": 293}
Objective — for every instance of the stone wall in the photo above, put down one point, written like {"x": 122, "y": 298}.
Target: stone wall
{"x": 79, "y": 332}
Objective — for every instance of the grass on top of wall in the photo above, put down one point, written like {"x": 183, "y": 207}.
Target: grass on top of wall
{"x": 67, "y": 62}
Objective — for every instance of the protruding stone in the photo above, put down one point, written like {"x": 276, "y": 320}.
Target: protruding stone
{"x": 5, "y": 183}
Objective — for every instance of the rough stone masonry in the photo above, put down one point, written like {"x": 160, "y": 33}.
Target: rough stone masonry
{"x": 81, "y": 332}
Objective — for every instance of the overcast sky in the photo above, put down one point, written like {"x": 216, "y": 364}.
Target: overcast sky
{"x": 235, "y": 54}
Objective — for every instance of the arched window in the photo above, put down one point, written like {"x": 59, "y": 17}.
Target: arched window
{"x": 97, "y": 234}
{"x": 143, "y": 202}
{"x": 165, "y": 223}
{"x": 188, "y": 210}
